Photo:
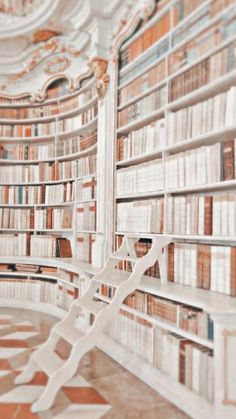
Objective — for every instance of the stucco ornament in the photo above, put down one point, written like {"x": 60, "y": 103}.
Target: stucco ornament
{"x": 99, "y": 67}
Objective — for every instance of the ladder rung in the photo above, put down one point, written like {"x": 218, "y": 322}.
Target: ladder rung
{"x": 116, "y": 278}
{"x": 93, "y": 307}
{"x": 68, "y": 332}
{"x": 124, "y": 257}
{"x": 48, "y": 361}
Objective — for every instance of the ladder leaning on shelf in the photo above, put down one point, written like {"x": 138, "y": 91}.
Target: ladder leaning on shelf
{"x": 44, "y": 358}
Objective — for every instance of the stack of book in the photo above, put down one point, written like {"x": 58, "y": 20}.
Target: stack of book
{"x": 86, "y": 165}
{"x": 208, "y": 70}
{"x": 74, "y": 145}
{"x": 142, "y": 83}
{"x": 14, "y": 244}
{"x": 144, "y": 216}
{"x": 184, "y": 361}
{"x": 140, "y": 179}
{"x": 193, "y": 167}
{"x": 43, "y": 194}
{"x": 202, "y": 214}
{"x": 142, "y": 141}
{"x": 142, "y": 107}
{"x": 213, "y": 114}
{"x": 53, "y": 218}
{"x": 26, "y": 151}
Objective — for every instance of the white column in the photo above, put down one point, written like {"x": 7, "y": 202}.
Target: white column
{"x": 105, "y": 165}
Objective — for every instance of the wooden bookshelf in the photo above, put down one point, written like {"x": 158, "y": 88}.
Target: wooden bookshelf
{"x": 194, "y": 63}
{"x": 47, "y": 150}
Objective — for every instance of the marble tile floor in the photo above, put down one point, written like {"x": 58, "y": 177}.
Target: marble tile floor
{"x": 101, "y": 388}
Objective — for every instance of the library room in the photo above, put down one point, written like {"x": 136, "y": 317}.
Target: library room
{"x": 117, "y": 209}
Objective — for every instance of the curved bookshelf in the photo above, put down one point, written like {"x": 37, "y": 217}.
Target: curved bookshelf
{"x": 40, "y": 175}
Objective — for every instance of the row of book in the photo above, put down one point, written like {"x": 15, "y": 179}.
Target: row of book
{"x": 142, "y": 178}
{"x": 86, "y": 216}
{"x": 38, "y": 219}
{"x": 43, "y": 194}
{"x": 199, "y": 166}
{"x": 46, "y": 172}
{"x": 41, "y": 111}
{"x": 212, "y": 114}
{"x": 53, "y": 218}
{"x": 203, "y": 42}
{"x": 47, "y": 151}
{"x": 183, "y": 360}
{"x": 142, "y": 141}
{"x": 144, "y": 41}
{"x": 187, "y": 318}
{"x": 206, "y": 71}
{"x": 202, "y": 215}
{"x": 40, "y": 290}
{"x": 156, "y": 53}
{"x": 86, "y": 166}
{"x": 41, "y": 172}
{"x": 26, "y": 244}
{"x": 142, "y": 83}
{"x": 51, "y": 128}
{"x": 141, "y": 216}
{"x": 27, "y": 151}
{"x": 25, "y": 268}
{"x": 72, "y": 145}
{"x": 210, "y": 267}
{"x": 84, "y": 246}
{"x": 86, "y": 188}
{"x": 142, "y": 107}
{"x": 29, "y": 290}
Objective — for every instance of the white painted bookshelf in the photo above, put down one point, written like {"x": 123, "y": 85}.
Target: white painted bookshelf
{"x": 187, "y": 84}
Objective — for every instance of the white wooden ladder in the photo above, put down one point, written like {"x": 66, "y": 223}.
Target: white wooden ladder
{"x": 44, "y": 358}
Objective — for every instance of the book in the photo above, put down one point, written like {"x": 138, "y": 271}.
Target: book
{"x": 64, "y": 248}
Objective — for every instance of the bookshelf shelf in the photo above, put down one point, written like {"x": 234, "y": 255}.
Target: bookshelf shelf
{"x": 182, "y": 237}
{"x": 159, "y": 113}
{"x": 142, "y": 95}
{"x": 213, "y": 88}
{"x": 88, "y": 151}
{"x": 71, "y": 264}
{"x": 86, "y": 231}
{"x": 188, "y": 66}
{"x": 86, "y": 200}
{"x": 47, "y": 182}
{"x": 49, "y": 118}
{"x": 46, "y": 138}
{"x": 162, "y": 324}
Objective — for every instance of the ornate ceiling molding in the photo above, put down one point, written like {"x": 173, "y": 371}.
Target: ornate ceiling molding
{"x": 12, "y": 26}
